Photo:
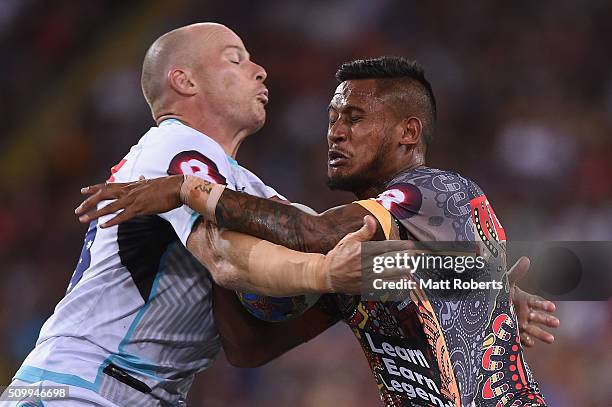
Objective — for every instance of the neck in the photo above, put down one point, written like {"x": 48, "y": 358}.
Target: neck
{"x": 229, "y": 139}
{"x": 376, "y": 188}
{"x": 372, "y": 190}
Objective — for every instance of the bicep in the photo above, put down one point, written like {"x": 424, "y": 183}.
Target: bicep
{"x": 327, "y": 229}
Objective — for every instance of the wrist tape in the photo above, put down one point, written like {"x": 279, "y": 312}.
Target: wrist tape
{"x": 201, "y": 196}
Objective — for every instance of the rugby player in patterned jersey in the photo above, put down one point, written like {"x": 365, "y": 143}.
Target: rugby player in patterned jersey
{"x": 424, "y": 350}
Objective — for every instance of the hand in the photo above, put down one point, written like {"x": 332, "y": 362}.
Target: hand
{"x": 533, "y": 312}
{"x": 343, "y": 266}
{"x": 142, "y": 197}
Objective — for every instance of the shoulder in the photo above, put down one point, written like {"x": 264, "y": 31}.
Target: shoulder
{"x": 430, "y": 192}
{"x": 438, "y": 180}
{"x": 173, "y": 140}
{"x": 430, "y": 186}
{"x": 176, "y": 149}
{"x": 254, "y": 185}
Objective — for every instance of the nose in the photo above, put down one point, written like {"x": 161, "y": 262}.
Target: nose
{"x": 260, "y": 72}
{"x": 338, "y": 132}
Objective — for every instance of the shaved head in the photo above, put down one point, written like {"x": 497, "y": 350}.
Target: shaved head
{"x": 407, "y": 96}
{"x": 178, "y": 48}
{"x": 202, "y": 74}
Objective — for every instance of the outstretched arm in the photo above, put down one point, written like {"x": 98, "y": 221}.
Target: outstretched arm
{"x": 264, "y": 218}
{"x": 243, "y": 262}
{"x": 278, "y": 223}
{"x": 288, "y": 225}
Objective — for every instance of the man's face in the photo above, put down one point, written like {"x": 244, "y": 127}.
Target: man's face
{"x": 360, "y": 136}
{"x": 233, "y": 85}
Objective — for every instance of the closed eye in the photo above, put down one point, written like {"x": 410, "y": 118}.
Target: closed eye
{"x": 332, "y": 116}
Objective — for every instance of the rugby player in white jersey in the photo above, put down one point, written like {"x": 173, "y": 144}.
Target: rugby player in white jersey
{"x": 136, "y": 325}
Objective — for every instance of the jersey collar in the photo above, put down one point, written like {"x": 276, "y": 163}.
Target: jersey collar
{"x": 168, "y": 122}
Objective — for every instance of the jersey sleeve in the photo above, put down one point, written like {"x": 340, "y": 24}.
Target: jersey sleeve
{"x": 399, "y": 203}
{"x": 382, "y": 215}
{"x": 258, "y": 188}
{"x": 175, "y": 154}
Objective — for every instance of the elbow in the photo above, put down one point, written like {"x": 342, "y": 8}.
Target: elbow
{"x": 225, "y": 275}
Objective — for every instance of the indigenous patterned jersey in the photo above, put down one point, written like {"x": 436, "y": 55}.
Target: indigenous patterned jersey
{"x": 430, "y": 350}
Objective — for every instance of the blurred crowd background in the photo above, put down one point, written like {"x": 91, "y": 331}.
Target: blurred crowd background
{"x": 524, "y": 93}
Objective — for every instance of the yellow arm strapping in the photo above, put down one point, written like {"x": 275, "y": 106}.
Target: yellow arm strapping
{"x": 380, "y": 213}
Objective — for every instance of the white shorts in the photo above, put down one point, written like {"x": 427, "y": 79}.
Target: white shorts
{"x": 75, "y": 396}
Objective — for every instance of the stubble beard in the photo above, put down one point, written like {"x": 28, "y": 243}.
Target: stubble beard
{"x": 364, "y": 179}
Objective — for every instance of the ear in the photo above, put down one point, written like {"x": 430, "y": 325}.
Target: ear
{"x": 181, "y": 81}
{"x": 412, "y": 129}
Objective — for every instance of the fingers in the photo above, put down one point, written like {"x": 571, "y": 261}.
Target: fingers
{"x": 108, "y": 209}
{"x": 87, "y": 206}
{"x": 539, "y": 303}
{"x": 120, "y": 218}
{"x": 530, "y": 318}
{"x": 522, "y": 314}
{"x": 365, "y": 233}
{"x": 526, "y": 340}
{"x": 543, "y": 318}
{"x": 92, "y": 189}
{"x": 103, "y": 193}
{"x": 518, "y": 271}
{"x": 535, "y": 332}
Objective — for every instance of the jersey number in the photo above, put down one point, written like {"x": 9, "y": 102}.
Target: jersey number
{"x": 85, "y": 259}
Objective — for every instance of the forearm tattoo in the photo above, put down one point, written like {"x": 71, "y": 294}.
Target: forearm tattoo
{"x": 282, "y": 224}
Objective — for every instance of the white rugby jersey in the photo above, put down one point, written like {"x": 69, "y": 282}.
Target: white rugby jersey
{"x": 136, "y": 323}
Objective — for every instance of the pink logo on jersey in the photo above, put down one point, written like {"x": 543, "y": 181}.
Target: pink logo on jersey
{"x": 115, "y": 169}
{"x": 402, "y": 200}
{"x": 195, "y": 163}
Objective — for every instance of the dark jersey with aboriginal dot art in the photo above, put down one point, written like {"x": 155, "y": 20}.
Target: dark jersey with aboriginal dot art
{"x": 436, "y": 350}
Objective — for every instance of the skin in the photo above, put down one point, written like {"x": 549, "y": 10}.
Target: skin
{"x": 203, "y": 76}
{"x": 366, "y": 134}
{"x": 362, "y": 121}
